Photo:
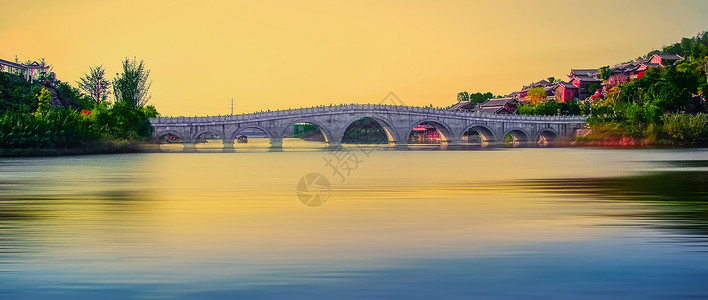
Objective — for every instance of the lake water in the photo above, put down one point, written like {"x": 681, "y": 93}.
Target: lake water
{"x": 564, "y": 223}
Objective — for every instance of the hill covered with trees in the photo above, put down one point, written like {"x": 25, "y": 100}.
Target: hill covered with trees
{"x": 664, "y": 104}
{"x": 46, "y": 116}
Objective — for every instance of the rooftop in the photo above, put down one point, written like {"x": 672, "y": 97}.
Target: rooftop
{"x": 465, "y": 105}
{"x": 585, "y": 72}
{"x": 669, "y": 56}
{"x": 33, "y": 65}
{"x": 496, "y": 103}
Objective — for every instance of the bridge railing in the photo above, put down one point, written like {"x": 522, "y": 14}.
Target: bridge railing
{"x": 355, "y": 108}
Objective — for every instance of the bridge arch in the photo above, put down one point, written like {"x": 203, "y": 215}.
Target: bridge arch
{"x": 195, "y": 138}
{"x": 326, "y": 133}
{"x": 444, "y": 129}
{"x": 385, "y": 124}
{"x": 482, "y": 129}
{"x": 519, "y": 135}
{"x": 546, "y": 136}
{"x": 161, "y": 134}
{"x": 240, "y": 130}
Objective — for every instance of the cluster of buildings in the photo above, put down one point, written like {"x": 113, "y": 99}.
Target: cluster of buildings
{"x": 578, "y": 87}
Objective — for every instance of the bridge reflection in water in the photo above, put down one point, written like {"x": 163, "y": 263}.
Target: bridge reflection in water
{"x": 398, "y": 123}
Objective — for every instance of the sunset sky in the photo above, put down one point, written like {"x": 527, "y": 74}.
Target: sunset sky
{"x": 285, "y": 54}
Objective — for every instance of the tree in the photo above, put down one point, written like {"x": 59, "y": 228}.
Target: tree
{"x": 549, "y": 108}
{"x": 699, "y": 51}
{"x": 552, "y": 79}
{"x": 132, "y": 86}
{"x": 480, "y": 98}
{"x": 605, "y": 72}
{"x": 463, "y": 97}
{"x": 95, "y": 85}
{"x": 43, "y": 99}
{"x": 594, "y": 87}
{"x": 704, "y": 64}
{"x": 536, "y": 95}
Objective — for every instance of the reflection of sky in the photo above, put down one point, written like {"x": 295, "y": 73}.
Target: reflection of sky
{"x": 556, "y": 270}
{"x": 214, "y": 225}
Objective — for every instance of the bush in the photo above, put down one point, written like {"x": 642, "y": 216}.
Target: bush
{"x": 686, "y": 127}
{"x": 55, "y": 129}
{"x": 122, "y": 121}
{"x": 548, "y": 108}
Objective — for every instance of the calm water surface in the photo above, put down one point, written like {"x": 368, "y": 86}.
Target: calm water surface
{"x": 485, "y": 223}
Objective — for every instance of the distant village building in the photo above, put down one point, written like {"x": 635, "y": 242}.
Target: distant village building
{"x": 583, "y": 79}
{"x": 578, "y": 86}
{"x": 29, "y": 72}
{"x": 626, "y": 72}
{"x": 664, "y": 59}
{"x": 463, "y": 106}
{"x": 507, "y": 105}
{"x": 566, "y": 91}
{"x": 424, "y": 133}
{"x": 499, "y": 106}
{"x": 638, "y": 72}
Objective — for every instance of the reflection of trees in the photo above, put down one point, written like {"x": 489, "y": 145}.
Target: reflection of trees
{"x": 472, "y": 136}
{"x": 680, "y": 197}
{"x": 29, "y": 213}
{"x": 12, "y": 216}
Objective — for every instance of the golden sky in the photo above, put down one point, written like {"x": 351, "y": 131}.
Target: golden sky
{"x": 283, "y": 54}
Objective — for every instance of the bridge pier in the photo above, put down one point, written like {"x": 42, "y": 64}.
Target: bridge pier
{"x": 398, "y": 144}
{"x": 150, "y": 147}
{"x": 333, "y": 144}
{"x": 190, "y": 147}
{"x": 276, "y": 142}
{"x": 228, "y": 146}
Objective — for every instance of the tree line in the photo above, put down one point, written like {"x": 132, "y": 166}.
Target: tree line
{"x": 48, "y": 114}
{"x": 475, "y": 97}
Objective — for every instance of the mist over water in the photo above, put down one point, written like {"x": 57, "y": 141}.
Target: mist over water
{"x": 490, "y": 223}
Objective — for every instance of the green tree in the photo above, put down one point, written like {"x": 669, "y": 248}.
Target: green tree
{"x": 43, "y": 99}
{"x": 95, "y": 85}
{"x": 605, "y": 73}
{"x": 574, "y": 108}
{"x": 132, "y": 86}
{"x": 527, "y": 109}
{"x": 699, "y": 51}
{"x": 685, "y": 127}
{"x": 549, "y": 108}
{"x": 480, "y": 97}
{"x": 594, "y": 87}
{"x": 536, "y": 95}
{"x": 463, "y": 97}
{"x": 125, "y": 122}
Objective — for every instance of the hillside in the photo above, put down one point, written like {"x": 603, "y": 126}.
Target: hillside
{"x": 40, "y": 115}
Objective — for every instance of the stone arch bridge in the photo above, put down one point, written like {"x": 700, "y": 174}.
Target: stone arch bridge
{"x": 397, "y": 121}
